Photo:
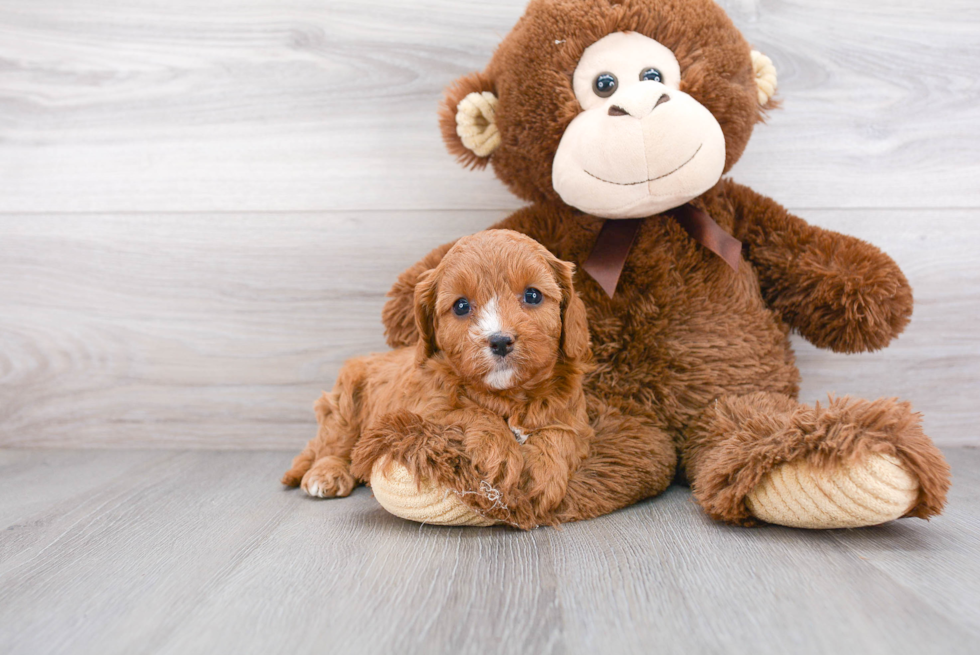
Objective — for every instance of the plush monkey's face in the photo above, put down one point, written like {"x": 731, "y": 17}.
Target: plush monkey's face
{"x": 640, "y": 145}
{"x": 617, "y": 108}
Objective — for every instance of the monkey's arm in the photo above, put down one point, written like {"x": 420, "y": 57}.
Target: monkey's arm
{"x": 839, "y": 292}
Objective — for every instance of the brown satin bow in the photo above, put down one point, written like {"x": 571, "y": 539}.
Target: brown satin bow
{"x": 612, "y": 246}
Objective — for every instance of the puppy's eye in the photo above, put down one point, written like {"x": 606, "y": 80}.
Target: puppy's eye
{"x": 461, "y": 307}
{"x": 532, "y": 296}
{"x": 605, "y": 85}
{"x": 651, "y": 75}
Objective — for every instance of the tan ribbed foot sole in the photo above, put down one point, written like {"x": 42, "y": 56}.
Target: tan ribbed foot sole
{"x": 397, "y": 491}
{"x": 872, "y": 492}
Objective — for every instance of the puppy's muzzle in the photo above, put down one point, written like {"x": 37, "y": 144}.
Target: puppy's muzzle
{"x": 501, "y": 344}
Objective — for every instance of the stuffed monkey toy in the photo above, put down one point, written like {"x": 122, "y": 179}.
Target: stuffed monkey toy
{"x": 616, "y": 121}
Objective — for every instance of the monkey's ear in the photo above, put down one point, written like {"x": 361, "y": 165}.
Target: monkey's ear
{"x": 468, "y": 120}
{"x": 425, "y": 312}
{"x": 765, "y": 78}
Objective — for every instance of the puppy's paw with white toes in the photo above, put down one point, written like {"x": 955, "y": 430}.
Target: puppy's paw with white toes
{"x": 329, "y": 477}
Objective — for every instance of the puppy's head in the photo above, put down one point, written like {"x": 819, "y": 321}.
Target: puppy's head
{"x": 502, "y": 310}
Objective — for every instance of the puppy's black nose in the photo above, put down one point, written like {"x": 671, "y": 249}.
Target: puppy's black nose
{"x": 501, "y": 344}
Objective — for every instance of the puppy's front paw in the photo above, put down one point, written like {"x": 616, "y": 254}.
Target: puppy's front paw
{"x": 329, "y": 477}
{"x": 545, "y": 479}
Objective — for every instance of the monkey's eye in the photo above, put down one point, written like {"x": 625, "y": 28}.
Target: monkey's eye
{"x": 461, "y": 307}
{"x": 532, "y": 296}
{"x": 605, "y": 85}
{"x": 651, "y": 75}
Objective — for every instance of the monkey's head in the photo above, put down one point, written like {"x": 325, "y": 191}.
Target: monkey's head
{"x": 620, "y": 109}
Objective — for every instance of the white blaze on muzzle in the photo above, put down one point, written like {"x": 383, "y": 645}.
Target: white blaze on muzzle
{"x": 489, "y": 321}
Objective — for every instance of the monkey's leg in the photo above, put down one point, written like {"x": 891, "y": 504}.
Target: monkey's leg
{"x": 850, "y": 463}
{"x": 629, "y": 459}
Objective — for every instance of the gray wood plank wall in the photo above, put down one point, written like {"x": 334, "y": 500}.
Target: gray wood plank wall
{"x": 202, "y": 203}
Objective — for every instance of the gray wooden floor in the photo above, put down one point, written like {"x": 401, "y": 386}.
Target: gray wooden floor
{"x": 200, "y": 552}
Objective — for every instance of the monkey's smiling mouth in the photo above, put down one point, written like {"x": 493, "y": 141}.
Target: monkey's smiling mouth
{"x": 652, "y": 179}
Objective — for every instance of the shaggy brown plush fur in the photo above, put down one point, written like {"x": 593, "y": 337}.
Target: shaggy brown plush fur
{"x": 516, "y": 421}
{"x": 691, "y": 357}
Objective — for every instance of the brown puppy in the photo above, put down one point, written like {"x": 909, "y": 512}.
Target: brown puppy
{"x": 503, "y": 348}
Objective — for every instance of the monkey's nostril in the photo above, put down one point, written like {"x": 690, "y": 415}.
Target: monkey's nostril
{"x": 616, "y": 110}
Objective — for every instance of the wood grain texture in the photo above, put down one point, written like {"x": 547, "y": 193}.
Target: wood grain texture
{"x": 276, "y": 105}
{"x": 219, "y": 330}
{"x": 196, "y": 552}
{"x": 141, "y": 330}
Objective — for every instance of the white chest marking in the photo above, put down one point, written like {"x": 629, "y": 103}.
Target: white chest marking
{"x": 500, "y": 379}
{"x": 521, "y": 437}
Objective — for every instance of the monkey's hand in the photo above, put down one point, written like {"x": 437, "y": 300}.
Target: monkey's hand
{"x": 837, "y": 291}
{"x": 849, "y": 298}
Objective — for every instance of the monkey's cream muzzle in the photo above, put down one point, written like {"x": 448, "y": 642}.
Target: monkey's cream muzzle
{"x": 646, "y": 149}
{"x": 640, "y": 145}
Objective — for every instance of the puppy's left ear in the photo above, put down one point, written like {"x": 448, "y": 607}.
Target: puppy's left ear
{"x": 574, "y": 323}
{"x": 425, "y": 315}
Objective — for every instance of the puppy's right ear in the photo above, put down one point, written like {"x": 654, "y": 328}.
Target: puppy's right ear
{"x": 425, "y": 315}
{"x": 468, "y": 118}
{"x": 574, "y": 341}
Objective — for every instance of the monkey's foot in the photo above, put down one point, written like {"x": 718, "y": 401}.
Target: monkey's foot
{"x": 846, "y": 464}
{"x": 400, "y": 494}
{"x": 870, "y": 492}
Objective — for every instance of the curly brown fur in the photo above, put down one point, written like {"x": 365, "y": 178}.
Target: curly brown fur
{"x": 519, "y": 416}
{"x": 683, "y": 329}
